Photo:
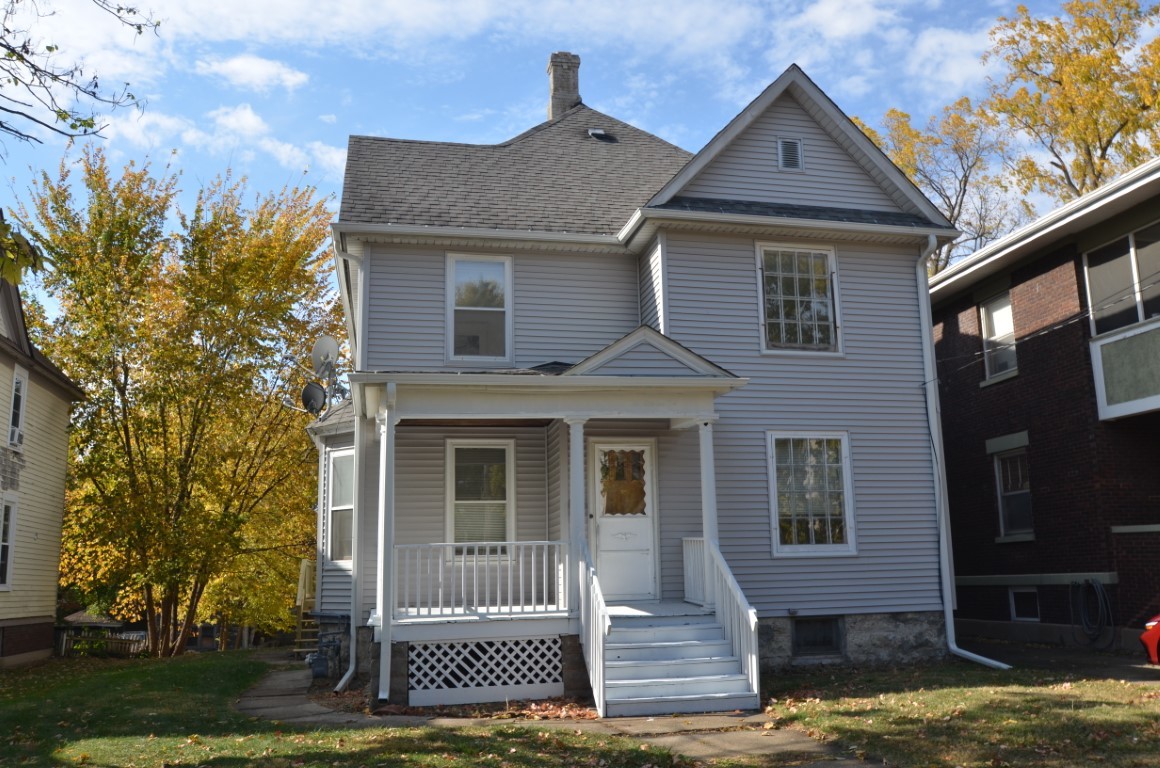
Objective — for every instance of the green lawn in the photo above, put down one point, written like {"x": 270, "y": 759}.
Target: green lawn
{"x": 960, "y": 714}
{"x": 177, "y": 713}
{"x": 153, "y": 713}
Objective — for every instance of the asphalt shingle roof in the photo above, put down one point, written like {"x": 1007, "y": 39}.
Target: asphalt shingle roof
{"x": 552, "y": 178}
{"x": 791, "y": 211}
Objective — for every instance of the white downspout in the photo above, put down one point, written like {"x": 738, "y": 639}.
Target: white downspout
{"x": 355, "y": 557}
{"x": 940, "y": 488}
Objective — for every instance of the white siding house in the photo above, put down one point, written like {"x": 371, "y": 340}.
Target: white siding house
{"x": 632, "y": 420}
{"x": 35, "y": 398}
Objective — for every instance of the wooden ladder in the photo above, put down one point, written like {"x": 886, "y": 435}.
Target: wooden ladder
{"x": 306, "y": 629}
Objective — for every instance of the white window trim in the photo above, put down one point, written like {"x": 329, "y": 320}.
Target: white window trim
{"x": 330, "y": 457}
{"x": 16, "y": 431}
{"x": 509, "y": 303}
{"x": 1137, "y": 287}
{"x": 988, "y": 336}
{"x": 10, "y": 499}
{"x": 509, "y": 446}
{"x": 850, "y": 548}
{"x": 835, "y": 300}
{"x": 1011, "y": 591}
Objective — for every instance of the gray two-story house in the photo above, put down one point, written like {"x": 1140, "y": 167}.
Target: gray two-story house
{"x": 629, "y": 418}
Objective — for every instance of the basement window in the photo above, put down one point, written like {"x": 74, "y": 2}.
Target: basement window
{"x": 1024, "y": 603}
{"x": 817, "y": 637}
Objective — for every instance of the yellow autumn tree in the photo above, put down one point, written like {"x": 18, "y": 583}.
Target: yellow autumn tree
{"x": 185, "y": 331}
{"x": 1079, "y": 91}
{"x": 955, "y": 160}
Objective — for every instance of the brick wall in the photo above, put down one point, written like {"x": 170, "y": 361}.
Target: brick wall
{"x": 1086, "y": 475}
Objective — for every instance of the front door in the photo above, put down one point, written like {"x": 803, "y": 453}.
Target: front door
{"x": 624, "y": 520}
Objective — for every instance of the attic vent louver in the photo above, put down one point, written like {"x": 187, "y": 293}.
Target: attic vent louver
{"x": 601, "y": 135}
{"x": 789, "y": 154}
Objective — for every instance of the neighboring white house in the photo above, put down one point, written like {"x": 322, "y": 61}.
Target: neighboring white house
{"x": 35, "y": 398}
{"x": 630, "y": 418}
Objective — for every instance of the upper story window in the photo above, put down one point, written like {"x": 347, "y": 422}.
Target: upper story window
{"x": 998, "y": 336}
{"x": 479, "y": 302}
{"x": 1012, "y": 485}
{"x": 7, "y": 534}
{"x": 812, "y": 495}
{"x": 19, "y": 401}
{"x": 340, "y": 532}
{"x": 799, "y": 307}
{"x": 1123, "y": 280}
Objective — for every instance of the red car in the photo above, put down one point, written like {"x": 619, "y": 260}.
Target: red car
{"x": 1151, "y": 638}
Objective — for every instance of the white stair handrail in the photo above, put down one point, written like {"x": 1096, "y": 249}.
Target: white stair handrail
{"x": 595, "y": 624}
{"x": 735, "y": 615}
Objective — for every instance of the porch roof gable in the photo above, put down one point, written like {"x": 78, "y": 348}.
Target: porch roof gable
{"x": 647, "y": 353}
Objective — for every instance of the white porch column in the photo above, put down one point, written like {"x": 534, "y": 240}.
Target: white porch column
{"x": 577, "y": 507}
{"x": 708, "y": 505}
{"x": 386, "y": 420}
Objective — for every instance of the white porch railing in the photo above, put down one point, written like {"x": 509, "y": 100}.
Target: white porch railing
{"x": 735, "y": 614}
{"x": 492, "y": 578}
{"x": 694, "y": 559}
{"x": 595, "y": 624}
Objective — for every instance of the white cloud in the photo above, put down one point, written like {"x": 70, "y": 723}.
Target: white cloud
{"x": 331, "y": 161}
{"x": 328, "y": 119}
{"x": 843, "y": 20}
{"x": 947, "y": 61}
{"x": 253, "y": 73}
{"x": 148, "y": 130}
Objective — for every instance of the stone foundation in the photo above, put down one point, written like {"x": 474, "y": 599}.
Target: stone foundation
{"x": 865, "y": 639}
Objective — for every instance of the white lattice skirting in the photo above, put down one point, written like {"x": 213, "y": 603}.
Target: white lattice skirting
{"x": 477, "y": 671}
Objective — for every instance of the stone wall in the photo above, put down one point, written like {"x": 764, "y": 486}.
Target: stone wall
{"x": 866, "y": 639}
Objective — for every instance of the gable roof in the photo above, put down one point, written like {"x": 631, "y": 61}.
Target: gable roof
{"x": 1134, "y": 187}
{"x": 834, "y": 122}
{"x": 15, "y": 342}
{"x": 661, "y": 357}
{"x": 552, "y": 178}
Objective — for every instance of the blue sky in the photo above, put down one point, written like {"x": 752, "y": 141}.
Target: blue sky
{"x": 273, "y": 88}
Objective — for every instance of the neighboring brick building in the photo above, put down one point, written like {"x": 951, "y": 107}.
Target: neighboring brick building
{"x": 1048, "y": 350}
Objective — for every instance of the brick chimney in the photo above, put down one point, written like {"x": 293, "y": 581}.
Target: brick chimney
{"x": 563, "y": 83}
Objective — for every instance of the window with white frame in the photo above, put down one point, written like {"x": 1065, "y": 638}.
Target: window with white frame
{"x": 480, "y": 490}
{"x": 998, "y": 336}
{"x": 340, "y": 530}
{"x": 479, "y": 305}
{"x": 798, "y": 303}
{"x": 1013, "y": 480}
{"x": 7, "y": 535}
{"x": 1024, "y": 603}
{"x": 811, "y": 494}
{"x": 19, "y": 403}
{"x": 1123, "y": 280}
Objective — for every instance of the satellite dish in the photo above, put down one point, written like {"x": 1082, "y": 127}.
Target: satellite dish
{"x": 324, "y": 355}
{"x": 313, "y": 397}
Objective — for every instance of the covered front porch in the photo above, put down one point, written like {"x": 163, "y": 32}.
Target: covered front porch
{"x": 519, "y": 507}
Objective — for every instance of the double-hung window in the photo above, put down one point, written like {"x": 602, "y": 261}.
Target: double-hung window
{"x": 798, "y": 303}
{"x": 811, "y": 493}
{"x": 1013, "y": 479}
{"x": 7, "y": 535}
{"x": 998, "y": 336}
{"x": 19, "y": 403}
{"x": 480, "y": 490}
{"x": 1123, "y": 280}
{"x": 341, "y": 499}
{"x": 479, "y": 307}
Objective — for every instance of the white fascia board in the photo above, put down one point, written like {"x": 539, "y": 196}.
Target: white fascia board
{"x": 410, "y": 230}
{"x": 1083, "y": 212}
{"x": 560, "y": 383}
{"x": 743, "y": 219}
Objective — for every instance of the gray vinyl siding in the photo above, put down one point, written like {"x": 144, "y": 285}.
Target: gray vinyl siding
{"x": 747, "y": 168}
{"x": 678, "y": 482}
{"x": 643, "y": 360}
{"x": 874, "y": 392}
{"x": 652, "y": 289}
{"x": 334, "y": 577}
{"x": 566, "y": 307}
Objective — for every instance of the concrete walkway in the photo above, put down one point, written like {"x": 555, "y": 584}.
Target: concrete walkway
{"x": 282, "y": 696}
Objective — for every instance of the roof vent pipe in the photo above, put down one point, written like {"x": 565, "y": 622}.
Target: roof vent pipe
{"x": 563, "y": 83}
